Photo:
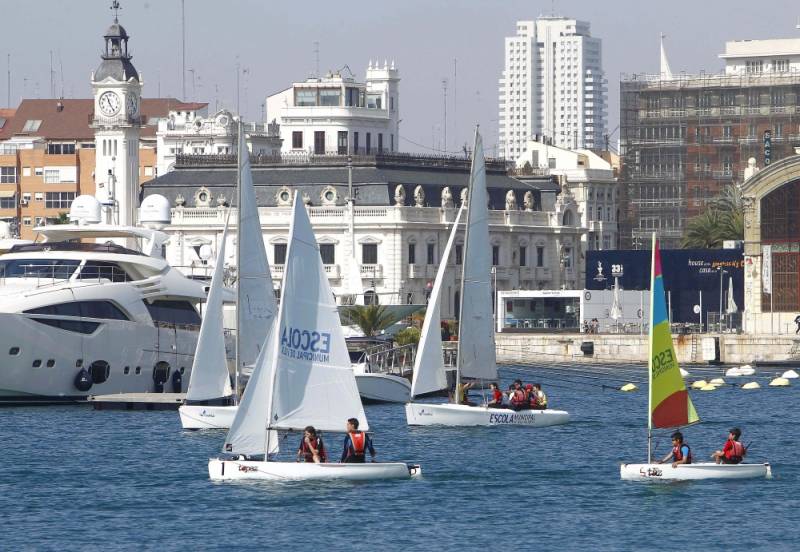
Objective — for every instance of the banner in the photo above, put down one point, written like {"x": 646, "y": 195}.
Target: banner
{"x": 766, "y": 268}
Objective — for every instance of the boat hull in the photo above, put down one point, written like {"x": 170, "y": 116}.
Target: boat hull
{"x": 426, "y": 414}
{"x": 207, "y": 417}
{"x": 230, "y": 470}
{"x": 383, "y": 388}
{"x": 690, "y": 472}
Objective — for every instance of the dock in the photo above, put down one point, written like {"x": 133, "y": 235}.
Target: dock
{"x": 137, "y": 401}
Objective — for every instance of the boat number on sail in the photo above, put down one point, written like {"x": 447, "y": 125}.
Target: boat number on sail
{"x": 511, "y": 418}
{"x": 306, "y": 344}
{"x": 662, "y": 362}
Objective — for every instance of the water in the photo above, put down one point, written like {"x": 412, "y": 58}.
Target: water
{"x": 74, "y": 478}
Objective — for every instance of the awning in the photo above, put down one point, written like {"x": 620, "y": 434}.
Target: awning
{"x": 7, "y": 193}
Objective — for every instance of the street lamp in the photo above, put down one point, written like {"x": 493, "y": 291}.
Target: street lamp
{"x": 722, "y": 273}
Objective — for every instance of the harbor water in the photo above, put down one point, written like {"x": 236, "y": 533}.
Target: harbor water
{"x": 74, "y": 478}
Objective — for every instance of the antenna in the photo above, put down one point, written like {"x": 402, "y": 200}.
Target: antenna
{"x": 183, "y": 50}
{"x": 194, "y": 90}
{"x": 61, "y": 72}
{"x": 455, "y": 99}
{"x": 316, "y": 58}
{"x": 8, "y": 84}
{"x": 115, "y": 7}
{"x": 444, "y": 91}
{"x": 52, "y": 83}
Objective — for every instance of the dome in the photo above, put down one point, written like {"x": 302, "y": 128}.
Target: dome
{"x": 85, "y": 209}
{"x": 155, "y": 212}
{"x": 116, "y": 31}
{"x": 118, "y": 69}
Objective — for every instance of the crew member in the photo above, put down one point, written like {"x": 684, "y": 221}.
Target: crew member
{"x": 356, "y": 444}
{"x": 538, "y": 399}
{"x": 312, "y": 449}
{"x": 680, "y": 453}
{"x": 733, "y": 452}
{"x": 497, "y": 397}
{"x": 462, "y": 393}
{"x": 518, "y": 399}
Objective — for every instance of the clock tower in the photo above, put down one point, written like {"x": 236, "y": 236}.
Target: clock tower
{"x": 116, "y": 121}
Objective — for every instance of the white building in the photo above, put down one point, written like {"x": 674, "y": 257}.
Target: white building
{"x": 781, "y": 55}
{"x": 337, "y": 114}
{"x": 589, "y": 178}
{"x": 552, "y": 85}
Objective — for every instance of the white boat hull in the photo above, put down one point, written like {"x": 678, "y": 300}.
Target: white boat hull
{"x": 207, "y": 417}
{"x": 383, "y": 388}
{"x": 229, "y": 470}
{"x": 688, "y": 472}
{"x": 426, "y": 414}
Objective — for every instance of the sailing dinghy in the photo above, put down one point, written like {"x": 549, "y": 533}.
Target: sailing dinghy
{"x": 476, "y": 348}
{"x": 302, "y": 377}
{"x": 255, "y": 303}
{"x": 669, "y": 403}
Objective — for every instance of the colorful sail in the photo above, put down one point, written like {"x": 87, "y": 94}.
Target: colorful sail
{"x": 670, "y": 405}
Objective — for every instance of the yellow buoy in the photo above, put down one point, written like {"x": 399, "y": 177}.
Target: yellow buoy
{"x": 779, "y": 382}
{"x": 699, "y": 384}
{"x": 717, "y": 381}
{"x": 708, "y": 387}
{"x": 751, "y": 385}
{"x": 628, "y": 387}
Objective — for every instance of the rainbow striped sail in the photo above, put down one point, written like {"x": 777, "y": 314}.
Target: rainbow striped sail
{"x": 670, "y": 405}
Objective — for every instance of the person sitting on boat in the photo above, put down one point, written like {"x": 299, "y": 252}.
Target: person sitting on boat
{"x": 538, "y": 400}
{"x": 497, "y": 397}
{"x": 356, "y": 444}
{"x": 519, "y": 400}
{"x": 680, "y": 453}
{"x": 733, "y": 452}
{"x": 462, "y": 393}
{"x": 312, "y": 449}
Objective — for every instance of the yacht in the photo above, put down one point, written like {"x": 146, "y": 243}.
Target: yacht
{"x": 94, "y": 308}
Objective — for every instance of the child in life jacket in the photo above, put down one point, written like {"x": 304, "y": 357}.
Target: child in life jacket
{"x": 680, "y": 453}
{"x": 733, "y": 452}
{"x": 312, "y": 449}
{"x": 538, "y": 399}
{"x": 497, "y": 397}
{"x": 519, "y": 400}
{"x": 356, "y": 445}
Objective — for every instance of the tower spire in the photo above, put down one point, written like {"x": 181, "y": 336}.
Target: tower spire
{"x": 666, "y": 72}
{"x": 115, "y": 7}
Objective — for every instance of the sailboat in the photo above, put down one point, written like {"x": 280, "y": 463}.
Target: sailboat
{"x": 302, "y": 377}
{"x": 255, "y": 299}
{"x": 476, "y": 348}
{"x": 210, "y": 380}
{"x": 669, "y": 404}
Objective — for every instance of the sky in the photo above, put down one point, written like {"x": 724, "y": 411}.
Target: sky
{"x": 273, "y": 44}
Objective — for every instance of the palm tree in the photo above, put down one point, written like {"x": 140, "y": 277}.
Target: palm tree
{"x": 723, "y": 220}
{"x": 371, "y": 319}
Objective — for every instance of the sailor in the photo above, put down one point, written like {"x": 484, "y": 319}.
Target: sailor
{"x": 312, "y": 449}
{"x": 462, "y": 393}
{"x": 733, "y": 452}
{"x": 497, "y": 397}
{"x": 680, "y": 453}
{"x": 356, "y": 444}
{"x": 538, "y": 399}
{"x": 518, "y": 399}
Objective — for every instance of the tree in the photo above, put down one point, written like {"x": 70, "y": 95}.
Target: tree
{"x": 370, "y": 319}
{"x": 407, "y": 336}
{"x": 723, "y": 220}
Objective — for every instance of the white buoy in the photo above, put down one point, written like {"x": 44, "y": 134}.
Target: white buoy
{"x": 717, "y": 381}
{"x": 751, "y": 385}
{"x": 779, "y": 382}
{"x": 628, "y": 387}
{"x": 733, "y": 372}
{"x": 699, "y": 384}
{"x": 708, "y": 387}
{"x": 684, "y": 373}
{"x": 790, "y": 374}
{"x": 747, "y": 370}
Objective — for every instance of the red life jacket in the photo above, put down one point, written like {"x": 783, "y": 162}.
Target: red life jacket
{"x": 359, "y": 441}
{"x": 309, "y": 456}
{"x": 497, "y": 395}
{"x": 736, "y": 452}
{"x": 677, "y": 455}
{"x": 519, "y": 397}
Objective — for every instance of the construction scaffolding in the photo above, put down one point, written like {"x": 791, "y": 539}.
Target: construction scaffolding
{"x": 683, "y": 139}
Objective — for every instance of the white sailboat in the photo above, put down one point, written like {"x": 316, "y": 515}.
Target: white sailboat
{"x": 669, "y": 404}
{"x": 302, "y": 377}
{"x": 476, "y": 348}
{"x": 210, "y": 379}
{"x": 256, "y": 306}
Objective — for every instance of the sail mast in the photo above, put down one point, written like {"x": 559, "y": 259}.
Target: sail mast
{"x": 650, "y": 355}
{"x": 239, "y": 310}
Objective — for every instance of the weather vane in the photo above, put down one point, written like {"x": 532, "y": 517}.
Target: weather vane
{"x": 116, "y": 7}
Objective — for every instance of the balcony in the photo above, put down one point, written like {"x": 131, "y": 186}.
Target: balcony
{"x": 421, "y": 271}
{"x": 332, "y": 271}
{"x": 374, "y": 271}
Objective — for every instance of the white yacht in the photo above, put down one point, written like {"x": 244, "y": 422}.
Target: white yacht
{"x": 95, "y": 309}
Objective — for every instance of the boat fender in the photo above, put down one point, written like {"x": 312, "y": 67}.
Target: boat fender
{"x": 177, "y": 381}
{"x": 83, "y": 380}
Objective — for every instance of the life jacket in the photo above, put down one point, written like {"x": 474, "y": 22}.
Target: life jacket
{"x": 519, "y": 397}
{"x": 736, "y": 452}
{"x": 677, "y": 455}
{"x": 308, "y": 455}
{"x": 541, "y": 399}
{"x": 497, "y": 395}
{"x": 359, "y": 442}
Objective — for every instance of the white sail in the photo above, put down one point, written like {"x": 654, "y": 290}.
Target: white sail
{"x": 429, "y": 375}
{"x": 476, "y": 351}
{"x": 210, "y": 378}
{"x": 314, "y": 383}
{"x": 257, "y": 306}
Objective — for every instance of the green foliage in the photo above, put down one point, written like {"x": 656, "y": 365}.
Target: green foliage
{"x": 407, "y": 336}
{"x": 370, "y": 319}
{"x": 723, "y": 220}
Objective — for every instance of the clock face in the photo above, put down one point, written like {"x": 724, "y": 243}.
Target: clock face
{"x": 133, "y": 105}
{"x": 109, "y": 103}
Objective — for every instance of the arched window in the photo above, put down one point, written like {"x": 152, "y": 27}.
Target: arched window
{"x": 567, "y": 219}
{"x": 370, "y": 297}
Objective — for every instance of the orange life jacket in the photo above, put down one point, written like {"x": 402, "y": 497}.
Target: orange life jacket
{"x": 736, "y": 452}
{"x": 359, "y": 441}
{"x": 678, "y": 455}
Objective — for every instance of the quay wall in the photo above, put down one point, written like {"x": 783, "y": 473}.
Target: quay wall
{"x": 625, "y": 348}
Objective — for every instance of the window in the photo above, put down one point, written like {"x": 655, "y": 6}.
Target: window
{"x": 523, "y": 255}
{"x": 173, "y": 312}
{"x": 279, "y": 254}
{"x": 297, "y": 139}
{"x": 778, "y": 130}
{"x": 58, "y": 269}
{"x": 330, "y": 97}
{"x": 495, "y": 255}
{"x": 305, "y": 97}
{"x": 369, "y": 143}
{"x": 355, "y": 142}
{"x": 101, "y": 270}
{"x": 38, "y": 196}
{"x": 58, "y": 200}
{"x": 567, "y": 258}
{"x": 341, "y": 142}
{"x": 8, "y": 175}
{"x": 369, "y": 253}
{"x": 319, "y": 142}
{"x": 459, "y": 254}
{"x": 60, "y": 149}
{"x": 540, "y": 256}
{"x": 32, "y": 125}
{"x": 328, "y": 253}
{"x": 780, "y": 65}
{"x": 84, "y": 309}
{"x": 412, "y": 253}
{"x": 380, "y": 142}
{"x": 430, "y": 252}
{"x": 26, "y": 221}
{"x": 38, "y": 171}
{"x": 8, "y": 202}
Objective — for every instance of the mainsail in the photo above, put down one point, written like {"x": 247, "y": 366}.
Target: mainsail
{"x": 210, "y": 378}
{"x": 313, "y": 381}
{"x": 429, "y": 374}
{"x": 669, "y": 402}
{"x": 476, "y": 350}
